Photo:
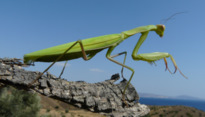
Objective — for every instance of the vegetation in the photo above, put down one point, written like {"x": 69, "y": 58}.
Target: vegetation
{"x": 174, "y": 111}
{"x": 18, "y": 103}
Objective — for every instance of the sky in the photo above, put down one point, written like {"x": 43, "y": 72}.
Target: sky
{"x": 27, "y": 26}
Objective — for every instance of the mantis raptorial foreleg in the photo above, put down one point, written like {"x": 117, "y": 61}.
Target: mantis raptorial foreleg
{"x": 85, "y": 57}
{"x": 149, "y": 57}
{"x": 152, "y": 57}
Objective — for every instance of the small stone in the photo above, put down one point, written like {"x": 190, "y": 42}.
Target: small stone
{"x": 90, "y": 101}
{"x": 103, "y": 105}
{"x": 115, "y": 77}
{"x": 49, "y": 75}
{"x": 46, "y": 91}
{"x": 66, "y": 94}
{"x": 43, "y": 83}
{"x": 57, "y": 92}
{"x": 78, "y": 99}
{"x": 40, "y": 90}
{"x": 78, "y": 105}
{"x": 9, "y": 77}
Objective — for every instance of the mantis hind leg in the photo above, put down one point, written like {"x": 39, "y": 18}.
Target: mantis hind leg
{"x": 85, "y": 57}
{"x": 63, "y": 69}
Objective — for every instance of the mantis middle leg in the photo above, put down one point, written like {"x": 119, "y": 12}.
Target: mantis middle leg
{"x": 123, "y": 61}
{"x": 123, "y": 65}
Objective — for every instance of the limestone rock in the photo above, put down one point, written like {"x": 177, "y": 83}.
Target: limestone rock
{"x": 103, "y": 97}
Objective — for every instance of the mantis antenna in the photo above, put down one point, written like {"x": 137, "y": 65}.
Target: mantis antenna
{"x": 164, "y": 21}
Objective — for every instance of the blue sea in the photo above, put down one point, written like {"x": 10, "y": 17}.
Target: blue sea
{"x": 199, "y": 104}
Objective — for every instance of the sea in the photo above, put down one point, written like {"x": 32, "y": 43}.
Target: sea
{"x": 198, "y": 104}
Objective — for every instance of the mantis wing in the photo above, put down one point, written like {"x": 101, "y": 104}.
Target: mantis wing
{"x": 91, "y": 46}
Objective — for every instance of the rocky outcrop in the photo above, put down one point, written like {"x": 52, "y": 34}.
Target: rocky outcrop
{"x": 103, "y": 97}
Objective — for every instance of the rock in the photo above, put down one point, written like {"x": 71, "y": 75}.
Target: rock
{"x": 103, "y": 97}
{"x": 43, "y": 83}
{"x": 46, "y": 91}
{"x": 89, "y": 101}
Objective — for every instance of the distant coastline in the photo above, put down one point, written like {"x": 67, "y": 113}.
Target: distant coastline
{"x": 198, "y": 104}
{"x": 181, "y": 97}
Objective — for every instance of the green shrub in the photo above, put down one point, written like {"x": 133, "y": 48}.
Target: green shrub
{"x": 148, "y": 115}
{"x": 48, "y": 110}
{"x": 161, "y": 115}
{"x": 45, "y": 115}
{"x": 18, "y": 103}
{"x": 66, "y": 111}
{"x": 188, "y": 115}
{"x": 56, "y": 107}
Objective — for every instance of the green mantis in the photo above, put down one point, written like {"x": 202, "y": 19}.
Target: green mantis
{"x": 88, "y": 48}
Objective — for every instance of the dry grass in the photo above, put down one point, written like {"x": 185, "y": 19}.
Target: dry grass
{"x": 174, "y": 111}
{"x": 55, "y": 108}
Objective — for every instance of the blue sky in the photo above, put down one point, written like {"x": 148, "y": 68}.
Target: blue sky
{"x": 27, "y": 26}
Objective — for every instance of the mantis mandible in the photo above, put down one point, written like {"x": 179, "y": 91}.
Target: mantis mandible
{"x": 88, "y": 48}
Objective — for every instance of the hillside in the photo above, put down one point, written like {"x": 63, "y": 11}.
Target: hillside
{"x": 50, "y": 107}
{"x": 55, "y": 108}
{"x": 58, "y": 108}
{"x": 174, "y": 111}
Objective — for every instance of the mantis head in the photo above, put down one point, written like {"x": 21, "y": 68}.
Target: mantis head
{"x": 160, "y": 30}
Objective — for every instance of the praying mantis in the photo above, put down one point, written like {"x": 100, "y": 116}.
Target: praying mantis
{"x": 88, "y": 48}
